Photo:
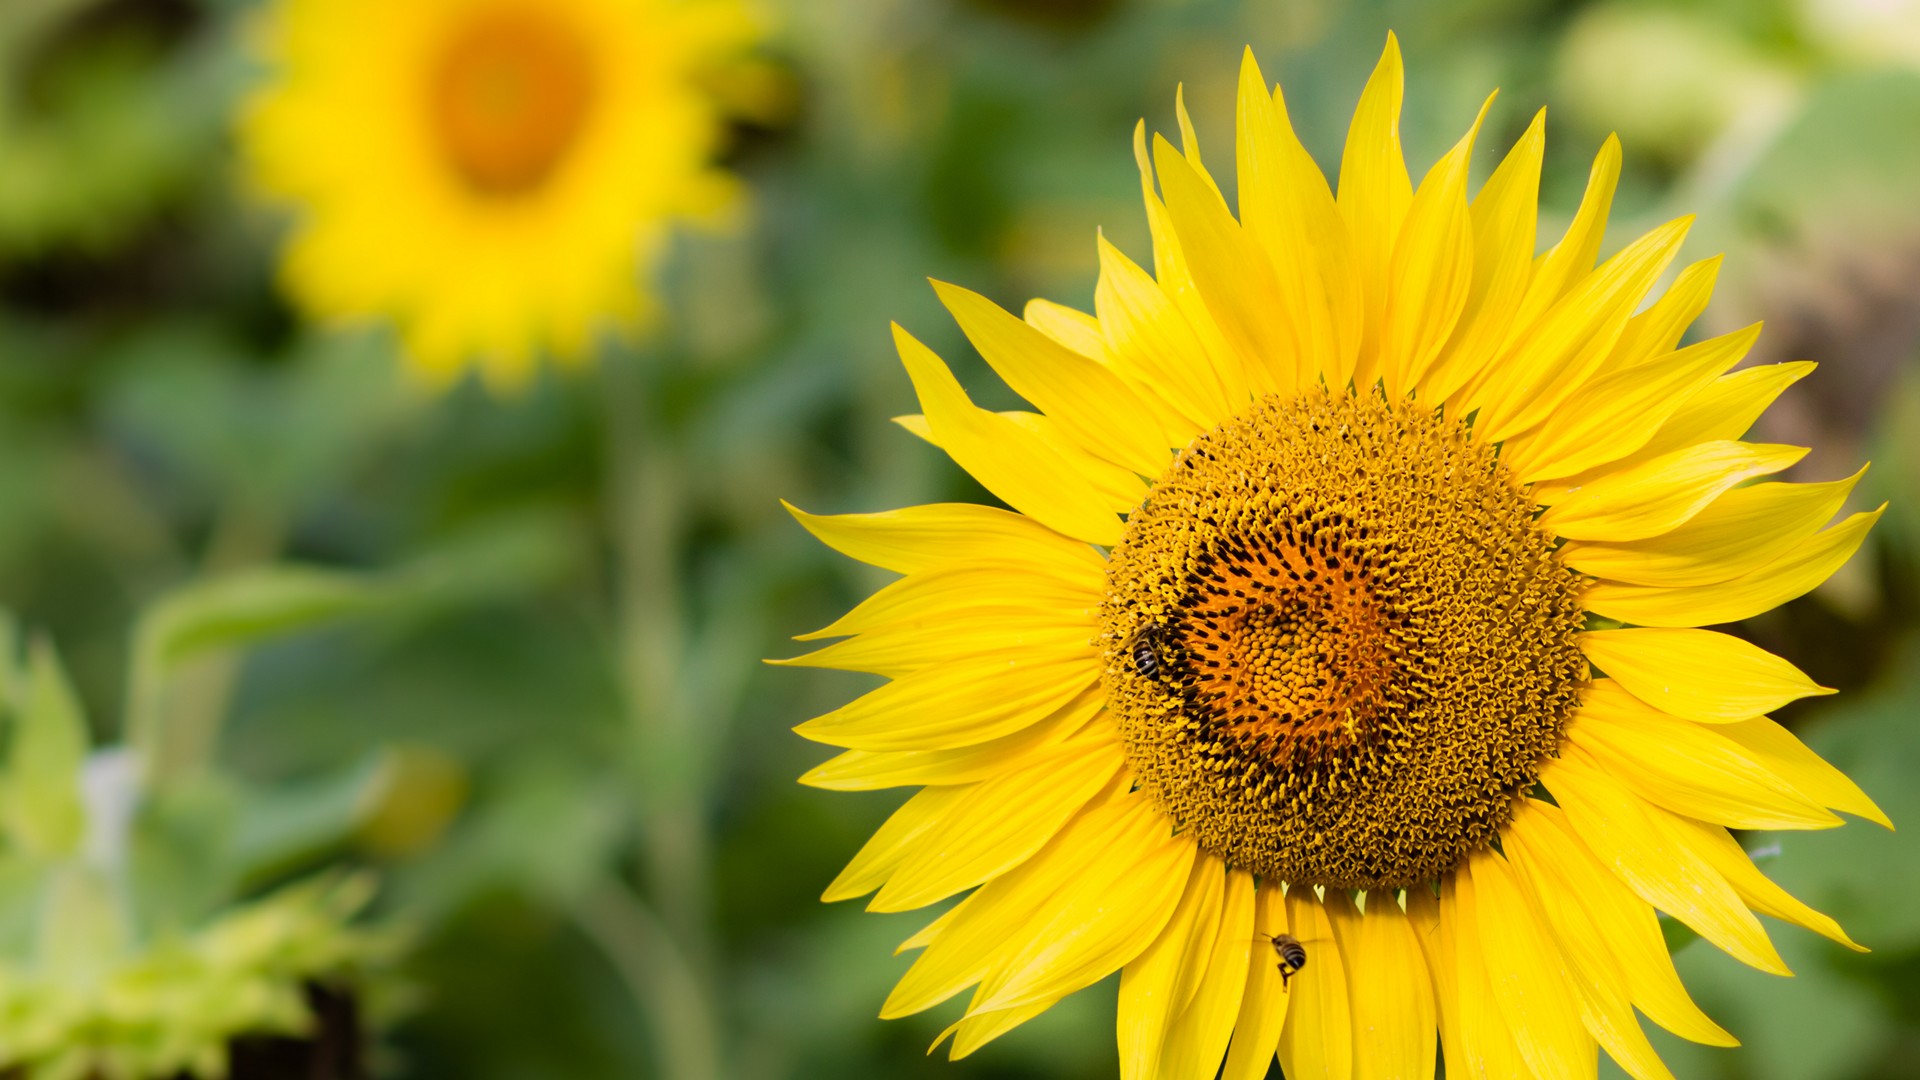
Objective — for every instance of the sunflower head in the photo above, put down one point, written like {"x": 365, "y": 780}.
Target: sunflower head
{"x": 1339, "y": 673}
{"x": 496, "y": 178}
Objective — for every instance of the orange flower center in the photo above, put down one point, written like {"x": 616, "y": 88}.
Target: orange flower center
{"x": 510, "y": 97}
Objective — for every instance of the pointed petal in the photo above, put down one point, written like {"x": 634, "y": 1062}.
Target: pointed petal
{"x": 1007, "y": 459}
{"x": 1787, "y": 756}
{"x": 1659, "y": 328}
{"x": 1764, "y": 588}
{"x": 1375, "y": 192}
{"x": 1689, "y": 768}
{"x": 1697, "y": 674}
{"x": 1148, "y": 332}
{"x": 1431, "y": 272}
{"x": 999, "y": 824}
{"x": 916, "y": 538}
{"x": 1091, "y": 404}
{"x": 963, "y": 704}
{"x": 1616, "y": 414}
{"x": 870, "y": 770}
{"x": 1664, "y": 493}
{"x": 1524, "y": 965}
{"x": 1627, "y": 835}
{"x": 1717, "y": 847}
{"x": 893, "y": 841}
{"x": 1740, "y": 531}
{"x": 1591, "y": 907}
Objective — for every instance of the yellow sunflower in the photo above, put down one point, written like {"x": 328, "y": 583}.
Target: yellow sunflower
{"x": 494, "y": 176}
{"x": 1337, "y": 676}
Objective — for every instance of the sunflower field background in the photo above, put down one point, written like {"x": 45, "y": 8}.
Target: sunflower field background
{"x": 448, "y": 690}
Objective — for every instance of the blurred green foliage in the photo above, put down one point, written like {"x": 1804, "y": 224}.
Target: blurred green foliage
{"x": 517, "y": 679}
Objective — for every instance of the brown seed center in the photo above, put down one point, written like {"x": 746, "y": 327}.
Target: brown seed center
{"x": 510, "y": 97}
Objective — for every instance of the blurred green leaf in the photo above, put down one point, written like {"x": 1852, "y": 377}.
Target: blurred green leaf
{"x": 42, "y": 800}
{"x": 280, "y": 828}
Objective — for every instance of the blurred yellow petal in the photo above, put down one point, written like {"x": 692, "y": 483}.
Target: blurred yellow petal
{"x": 1664, "y": 493}
{"x": 1686, "y": 767}
{"x": 1764, "y": 588}
{"x": 1697, "y": 674}
{"x": 1317, "y": 1041}
{"x": 1740, "y": 531}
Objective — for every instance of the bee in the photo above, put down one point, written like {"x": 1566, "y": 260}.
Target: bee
{"x": 1291, "y": 955}
{"x": 1146, "y": 661}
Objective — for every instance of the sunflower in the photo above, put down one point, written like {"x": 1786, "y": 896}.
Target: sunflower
{"x": 494, "y": 176}
{"x": 1338, "y": 675}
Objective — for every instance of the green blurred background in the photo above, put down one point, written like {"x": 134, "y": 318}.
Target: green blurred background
{"x": 546, "y": 727}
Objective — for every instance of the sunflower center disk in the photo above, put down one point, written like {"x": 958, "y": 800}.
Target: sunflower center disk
{"x": 1338, "y": 647}
{"x": 509, "y": 99}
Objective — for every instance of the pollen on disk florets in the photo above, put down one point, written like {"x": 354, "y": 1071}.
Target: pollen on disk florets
{"x": 1337, "y": 644}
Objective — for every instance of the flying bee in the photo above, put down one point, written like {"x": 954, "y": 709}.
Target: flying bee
{"x": 1146, "y": 660}
{"x": 1291, "y": 955}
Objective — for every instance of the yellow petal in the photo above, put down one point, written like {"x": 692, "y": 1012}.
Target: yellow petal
{"x": 1659, "y": 328}
{"x": 1148, "y": 332}
{"x": 1032, "y": 592}
{"x": 1740, "y": 531}
{"x": 1525, "y": 967}
{"x": 1505, "y": 215}
{"x": 1697, "y": 674}
{"x": 1663, "y": 494}
{"x": 1764, "y": 588}
{"x": 1609, "y": 932}
{"x": 1716, "y": 846}
{"x": 1007, "y": 459}
{"x": 898, "y": 651}
{"x": 1541, "y": 368}
{"x": 1627, "y": 835}
{"x": 1263, "y": 1002}
{"x": 1688, "y": 768}
{"x": 1288, "y": 211}
{"x": 869, "y": 770}
{"x": 1375, "y": 191}
{"x": 1789, "y": 757}
{"x": 1389, "y": 992}
{"x": 963, "y": 704}
{"x": 890, "y": 844}
{"x": 975, "y": 1030}
{"x": 1569, "y": 260}
{"x": 1148, "y": 984}
{"x": 1198, "y": 1039}
{"x": 999, "y": 824}
{"x": 994, "y": 919}
{"x": 1076, "y": 330}
{"x": 1435, "y": 939}
{"x": 1431, "y": 272}
{"x": 1317, "y": 1041}
{"x": 917, "y": 538}
{"x": 1087, "y": 400}
{"x": 1724, "y": 409}
{"x": 1487, "y": 1046}
{"x": 1617, "y": 414}
{"x": 1232, "y": 274}
{"x": 1097, "y": 921}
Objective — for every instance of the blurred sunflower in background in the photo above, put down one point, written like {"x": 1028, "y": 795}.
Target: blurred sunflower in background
{"x": 1338, "y": 675}
{"x": 496, "y": 177}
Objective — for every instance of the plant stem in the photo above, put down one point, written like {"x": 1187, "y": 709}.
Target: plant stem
{"x": 657, "y": 973}
{"x": 645, "y": 501}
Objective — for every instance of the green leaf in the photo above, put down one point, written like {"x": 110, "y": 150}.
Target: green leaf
{"x": 42, "y": 803}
